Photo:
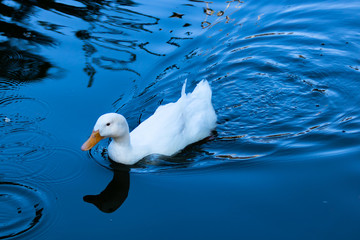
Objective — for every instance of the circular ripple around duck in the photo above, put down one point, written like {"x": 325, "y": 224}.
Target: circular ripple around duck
{"x": 22, "y": 209}
{"x": 271, "y": 87}
{"x": 194, "y": 157}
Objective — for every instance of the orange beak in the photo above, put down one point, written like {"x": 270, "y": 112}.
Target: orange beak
{"x": 92, "y": 141}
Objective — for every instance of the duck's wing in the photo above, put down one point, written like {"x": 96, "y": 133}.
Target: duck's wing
{"x": 162, "y": 132}
{"x": 175, "y": 125}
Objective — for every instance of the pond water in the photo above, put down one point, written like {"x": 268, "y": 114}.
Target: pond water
{"x": 284, "y": 162}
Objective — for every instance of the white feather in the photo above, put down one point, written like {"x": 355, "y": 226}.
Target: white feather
{"x": 171, "y": 128}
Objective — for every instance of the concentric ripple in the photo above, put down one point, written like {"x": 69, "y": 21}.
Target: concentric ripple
{"x": 22, "y": 144}
{"x": 17, "y": 109}
{"x": 22, "y": 66}
{"x": 64, "y": 165}
{"x": 6, "y": 84}
{"x": 50, "y": 164}
{"x": 22, "y": 209}
{"x": 27, "y": 146}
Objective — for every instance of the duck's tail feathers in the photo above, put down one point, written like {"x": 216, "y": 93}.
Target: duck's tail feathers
{"x": 183, "y": 93}
{"x": 202, "y": 89}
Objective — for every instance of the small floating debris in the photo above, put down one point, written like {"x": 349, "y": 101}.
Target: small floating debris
{"x": 209, "y": 11}
{"x": 355, "y": 68}
{"x": 309, "y": 130}
{"x": 347, "y": 119}
{"x": 176, "y": 15}
{"x": 319, "y": 90}
{"x": 301, "y": 56}
{"x": 7, "y": 120}
{"x": 28, "y": 34}
{"x": 236, "y": 157}
{"x": 228, "y": 19}
{"x": 205, "y": 24}
{"x": 231, "y": 137}
{"x": 83, "y": 34}
{"x": 278, "y": 135}
{"x": 314, "y": 127}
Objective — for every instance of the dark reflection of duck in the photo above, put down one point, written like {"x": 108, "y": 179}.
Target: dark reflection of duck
{"x": 115, "y": 193}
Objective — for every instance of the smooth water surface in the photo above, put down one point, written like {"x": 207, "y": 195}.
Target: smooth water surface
{"x": 283, "y": 163}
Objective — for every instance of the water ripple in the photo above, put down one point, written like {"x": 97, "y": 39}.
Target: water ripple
{"x": 41, "y": 161}
{"x": 196, "y": 156}
{"x": 273, "y": 88}
{"x": 22, "y": 66}
{"x": 25, "y": 143}
{"x": 27, "y": 151}
{"x": 64, "y": 165}
{"x": 19, "y": 110}
{"x": 22, "y": 209}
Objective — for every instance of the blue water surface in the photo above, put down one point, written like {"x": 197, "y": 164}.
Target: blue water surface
{"x": 283, "y": 163}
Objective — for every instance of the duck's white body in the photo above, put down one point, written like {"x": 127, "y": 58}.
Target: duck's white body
{"x": 171, "y": 128}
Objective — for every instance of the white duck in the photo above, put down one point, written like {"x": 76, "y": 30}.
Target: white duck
{"x": 171, "y": 128}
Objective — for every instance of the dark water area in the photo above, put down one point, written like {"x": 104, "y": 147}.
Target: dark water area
{"x": 284, "y": 162}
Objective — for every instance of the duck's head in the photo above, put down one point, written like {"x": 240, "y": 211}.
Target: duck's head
{"x": 111, "y": 125}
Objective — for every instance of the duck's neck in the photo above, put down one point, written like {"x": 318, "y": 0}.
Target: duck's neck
{"x": 123, "y": 141}
{"x": 120, "y": 150}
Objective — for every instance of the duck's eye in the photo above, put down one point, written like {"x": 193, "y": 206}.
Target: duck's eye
{"x": 108, "y": 124}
